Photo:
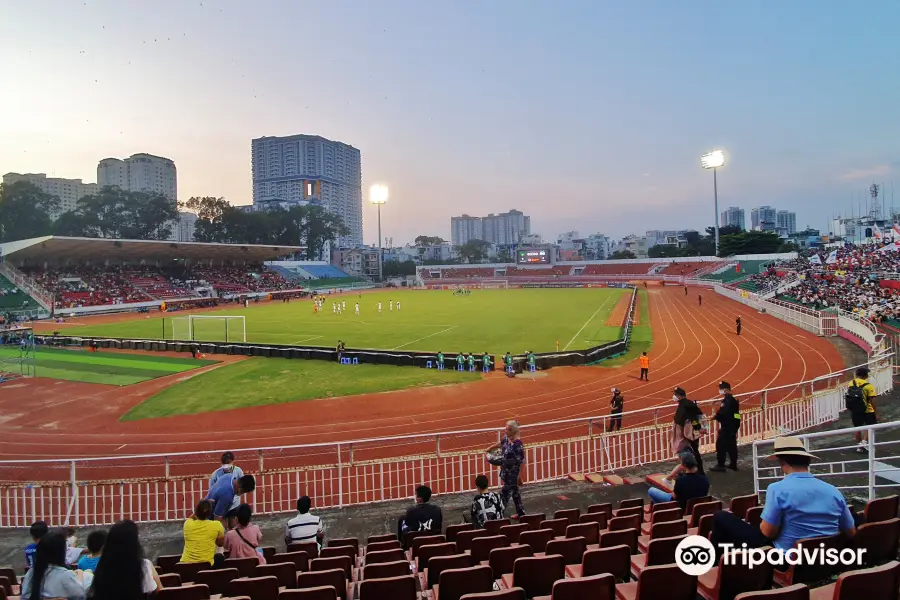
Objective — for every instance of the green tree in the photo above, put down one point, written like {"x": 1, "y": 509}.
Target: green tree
{"x": 395, "y": 268}
{"x": 321, "y": 226}
{"x": 504, "y": 256}
{"x": 664, "y": 251}
{"x": 210, "y": 213}
{"x": 117, "y": 213}
{"x": 473, "y": 251}
{"x": 428, "y": 240}
{"x": 621, "y": 255}
{"x": 25, "y": 211}
{"x": 749, "y": 242}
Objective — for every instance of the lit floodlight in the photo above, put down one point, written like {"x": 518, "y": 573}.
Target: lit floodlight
{"x": 378, "y": 193}
{"x": 713, "y": 160}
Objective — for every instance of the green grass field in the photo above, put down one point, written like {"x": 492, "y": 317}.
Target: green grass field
{"x": 260, "y": 381}
{"x": 108, "y": 368}
{"x": 496, "y": 321}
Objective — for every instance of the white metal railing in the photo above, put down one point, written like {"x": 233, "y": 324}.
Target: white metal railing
{"x": 841, "y": 462}
{"x": 42, "y": 296}
{"x": 161, "y": 487}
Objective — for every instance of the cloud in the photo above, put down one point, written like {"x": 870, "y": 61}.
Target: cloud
{"x": 868, "y": 173}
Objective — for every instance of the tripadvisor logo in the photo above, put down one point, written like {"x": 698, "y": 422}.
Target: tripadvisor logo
{"x": 696, "y": 555}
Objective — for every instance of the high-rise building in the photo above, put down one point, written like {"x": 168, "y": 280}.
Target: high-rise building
{"x": 183, "y": 228}
{"x": 733, "y": 217}
{"x": 465, "y": 228}
{"x": 69, "y": 191}
{"x": 298, "y": 169}
{"x": 140, "y": 173}
{"x": 596, "y": 247}
{"x": 787, "y": 221}
{"x": 763, "y": 218}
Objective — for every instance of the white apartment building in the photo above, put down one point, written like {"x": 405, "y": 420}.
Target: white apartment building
{"x": 465, "y": 228}
{"x": 140, "y": 173}
{"x": 502, "y": 229}
{"x": 183, "y": 229}
{"x": 732, "y": 216}
{"x": 69, "y": 191}
{"x": 304, "y": 168}
{"x": 786, "y": 222}
{"x": 763, "y": 218}
{"x": 596, "y": 247}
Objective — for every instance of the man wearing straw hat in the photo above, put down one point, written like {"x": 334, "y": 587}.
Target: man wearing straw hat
{"x": 799, "y": 506}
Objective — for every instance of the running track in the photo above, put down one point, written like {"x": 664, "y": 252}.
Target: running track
{"x": 694, "y": 347}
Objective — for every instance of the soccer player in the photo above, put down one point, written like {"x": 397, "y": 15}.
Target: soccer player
{"x": 486, "y": 362}
{"x": 333, "y": 308}
{"x": 440, "y": 361}
{"x": 344, "y": 305}
{"x": 508, "y": 362}
{"x": 391, "y": 306}
{"x": 379, "y": 307}
{"x": 645, "y": 367}
{"x": 531, "y": 361}
{"x": 398, "y": 306}
{"x": 737, "y": 323}
{"x": 471, "y": 358}
{"x": 460, "y": 359}
{"x": 357, "y": 309}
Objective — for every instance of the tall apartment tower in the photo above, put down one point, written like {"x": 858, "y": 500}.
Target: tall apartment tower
{"x": 297, "y": 169}
{"x": 140, "y": 173}
{"x": 733, "y": 216}
{"x": 786, "y": 221}
{"x": 69, "y": 191}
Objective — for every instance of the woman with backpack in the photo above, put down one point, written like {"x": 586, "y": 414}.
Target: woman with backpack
{"x": 688, "y": 426}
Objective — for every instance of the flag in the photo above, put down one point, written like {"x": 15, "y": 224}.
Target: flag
{"x": 737, "y": 268}
{"x": 832, "y": 258}
{"x": 815, "y": 260}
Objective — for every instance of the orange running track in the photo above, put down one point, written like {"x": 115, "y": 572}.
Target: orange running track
{"x": 694, "y": 347}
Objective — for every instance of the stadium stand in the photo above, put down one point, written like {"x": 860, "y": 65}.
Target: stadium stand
{"x": 12, "y": 298}
{"x": 554, "y": 271}
{"x": 687, "y": 268}
{"x": 325, "y": 272}
{"x": 458, "y": 273}
{"x": 619, "y": 269}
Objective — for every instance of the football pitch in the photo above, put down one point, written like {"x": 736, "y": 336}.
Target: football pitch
{"x": 496, "y": 321}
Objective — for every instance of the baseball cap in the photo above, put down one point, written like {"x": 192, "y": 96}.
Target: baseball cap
{"x": 679, "y": 392}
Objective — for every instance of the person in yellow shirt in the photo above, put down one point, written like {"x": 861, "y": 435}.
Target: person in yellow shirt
{"x": 202, "y": 535}
{"x": 645, "y": 367}
{"x": 866, "y": 416}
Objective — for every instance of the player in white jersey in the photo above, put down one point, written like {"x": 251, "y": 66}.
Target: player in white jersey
{"x": 379, "y": 306}
{"x": 357, "y": 309}
{"x": 391, "y": 306}
{"x": 344, "y": 304}
{"x": 398, "y": 306}
{"x": 333, "y": 307}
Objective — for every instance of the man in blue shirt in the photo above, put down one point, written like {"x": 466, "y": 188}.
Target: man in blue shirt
{"x": 37, "y": 531}
{"x": 797, "y": 507}
{"x": 227, "y": 487}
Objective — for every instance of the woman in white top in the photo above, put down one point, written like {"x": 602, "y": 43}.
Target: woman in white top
{"x": 49, "y": 578}
{"x": 123, "y": 573}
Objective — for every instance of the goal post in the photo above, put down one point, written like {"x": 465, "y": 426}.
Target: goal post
{"x": 494, "y": 284}
{"x": 17, "y": 354}
{"x": 209, "y": 328}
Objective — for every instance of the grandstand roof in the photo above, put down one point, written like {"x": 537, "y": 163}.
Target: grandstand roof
{"x": 53, "y": 248}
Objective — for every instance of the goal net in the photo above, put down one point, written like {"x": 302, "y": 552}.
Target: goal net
{"x": 494, "y": 284}
{"x": 17, "y": 356}
{"x": 209, "y": 328}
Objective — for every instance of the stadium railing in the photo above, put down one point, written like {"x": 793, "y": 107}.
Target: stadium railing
{"x": 162, "y": 487}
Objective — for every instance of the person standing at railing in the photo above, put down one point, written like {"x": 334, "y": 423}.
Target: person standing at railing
{"x": 729, "y": 418}
{"x": 688, "y": 427}
{"x": 616, "y": 406}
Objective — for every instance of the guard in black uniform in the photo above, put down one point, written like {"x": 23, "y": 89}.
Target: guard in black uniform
{"x": 737, "y": 323}
{"x": 729, "y": 418}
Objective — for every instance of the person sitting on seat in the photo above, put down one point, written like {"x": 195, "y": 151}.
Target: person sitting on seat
{"x": 688, "y": 485}
{"x": 423, "y": 516}
{"x": 305, "y": 527}
{"x": 486, "y": 506}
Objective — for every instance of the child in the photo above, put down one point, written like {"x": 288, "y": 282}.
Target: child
{"x": 37, "y": 531}
{"x": 95, "y": 541}
{"x": 486, "y": 506}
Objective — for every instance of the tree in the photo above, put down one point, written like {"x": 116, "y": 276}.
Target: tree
{"x": 25, "y": 211}
{"x": 428, "y": 240}
{"x": 664, "y": 251}
{"x": 504, "y": 256}
{"x": 321, "y": 226}
{"x": 749, "y": 242}
{"x": 116, "y": 213}
{"x": 395, "y": 268}
{"x": 473, "y": 251}
{"x": 622, "y": 254}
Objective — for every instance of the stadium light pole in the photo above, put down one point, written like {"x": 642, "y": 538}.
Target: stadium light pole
{"x": 713, "y": 160}
{"x": 378, "y": 195}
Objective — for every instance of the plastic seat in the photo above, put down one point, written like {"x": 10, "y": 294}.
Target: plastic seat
{"x": 724, "y": 582}
{"x": 533, "y": 520}
{"x": 881, "y": 509}
{"x": 877, "y": 583}
{"x": 455, "y": 583}
{"x": 384, "y": 570}
{"x": 571, "y": 549}
{"x": 629, "y": 522}
{"x": 269, "y": 552}
{"x": 452, "y": 530}
{"x": 311, "y": 548}
{"x": 629, "y": 537}
{"x": 432, "y": 550}
{"x": 536, "y": 539}
{"x": 595, "y": 587}
{"x": 167, "y": 563}
{"x": 652, "y": 508}
{"x": 464, "y": 538}
{"x": 299, "y": 559}
{"x": 385, "y": 556}
{"x": 10, "y": 574}
{"x": 493, "y": 527}
{"x": 754, "y": 515}
{"x": 557, "y": 526}
{"x": 245, "y": 566}
{"x": 188, "y": 571}
{"x": 409, "y": 536}
{"x": 344, "y": 542}
{"x": 481, "y": 547}
{"x": 794, "y": 592}
{"x": 661, "y": 530}
{"x": 166, "y": 579}
{"x": 809, "y": 573}
{"x": 335, "y": 578}
{"x": 217, "y": 580}
{"x": 512, "y": 532}
{"x": 333, "y": 551}
{"x": 880, "y": 541}
{"x": 344, "y": 563}
{"x": 614, "y": 560}
{"x": 599, "y": 518}
{"x": 572, "y": 514}
{"x": 604, "y": 507}
{"x": 589, "y": 531}
{"x": 664, "y": 581}
{"x": 395, "y": 588}
{"x": 629, "y": 503}
{"x": 513, "y": 594}
{"x": 325, "y": 592}
{"x": 439, "y": 564}
{"x": 285, "y": 573}
{"x": 703, "y": 508}
{"x": 689, "y": 505}
{"x": 386, "y": 545}
{"x": 256, "y": 588}
{"x": 385, "y": 537}
{"x": 536, "y": 575}
{"x": 425, "y": 540}
{"x": 502, "y": 560}
{"x": 660, "y": 516}
{"x": 659, "y": 552}
{"x": 704, "y": 528}
{"x": 187, "y": 592}
{"x": 740, "y": 504}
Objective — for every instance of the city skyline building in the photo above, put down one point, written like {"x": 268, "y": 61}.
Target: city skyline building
{"x": 763, "y": 218}
{"x": 733, "y": 216}
{"x": 140, "y": 173}
{"x": 69, "y": 191}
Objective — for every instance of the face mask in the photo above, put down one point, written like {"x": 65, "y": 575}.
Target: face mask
{"x": 675, "y": 398}
{"x": 721, "y": 391}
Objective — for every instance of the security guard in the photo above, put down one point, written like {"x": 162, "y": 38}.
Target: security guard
{"x": 729, "y": 418}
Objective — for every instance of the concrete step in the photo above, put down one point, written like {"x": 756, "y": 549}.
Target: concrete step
{"x": 577, "y": 477}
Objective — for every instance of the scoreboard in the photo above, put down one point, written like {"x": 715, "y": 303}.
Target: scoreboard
{"x": 535, "y": 256}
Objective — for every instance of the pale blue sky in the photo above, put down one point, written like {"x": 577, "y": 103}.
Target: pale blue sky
{"x": 585, "y": 115}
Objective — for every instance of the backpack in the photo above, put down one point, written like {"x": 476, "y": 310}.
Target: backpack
{"x": 855, "y": 399}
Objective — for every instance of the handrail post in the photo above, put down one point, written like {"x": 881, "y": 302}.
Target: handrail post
{"x": 351, "y": 453}
{"x": 166, "y": 459}
{"x": 437, "y": 443}
{"x": 340, "y": 477}
{"x": 871, "y": 449}
{"x": 260, "y": 459}
{"x": 765, "y": 416}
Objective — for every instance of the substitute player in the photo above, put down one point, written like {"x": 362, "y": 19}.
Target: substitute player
{"x": 440, "y": 361}
{"x": 645, "y": 367}
{"x": 460, "y": 360}
{"x": 486, "y": 362}
{"x": 471, "y": 358}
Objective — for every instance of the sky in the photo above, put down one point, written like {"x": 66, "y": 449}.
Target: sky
{"x": 587, "y": 115}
